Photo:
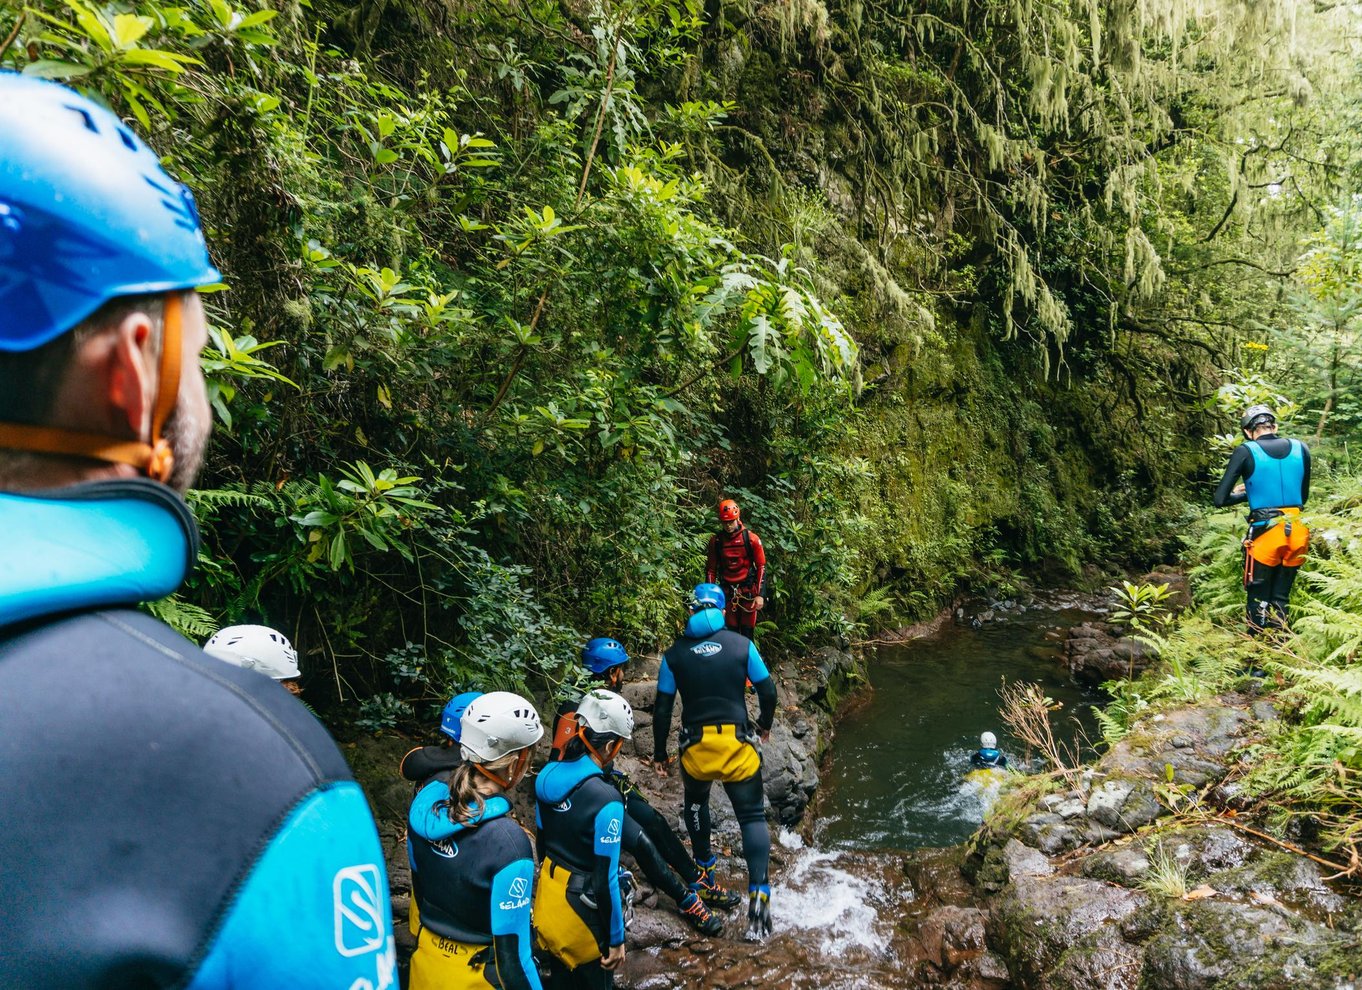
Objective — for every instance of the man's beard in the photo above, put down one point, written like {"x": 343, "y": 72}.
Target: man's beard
{"x": 187, "y": 434}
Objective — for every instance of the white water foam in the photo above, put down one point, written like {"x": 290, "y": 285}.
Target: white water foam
{"x": 818, "y": 895}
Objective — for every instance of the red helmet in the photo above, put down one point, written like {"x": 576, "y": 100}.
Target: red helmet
{"x": 728, "y": 510}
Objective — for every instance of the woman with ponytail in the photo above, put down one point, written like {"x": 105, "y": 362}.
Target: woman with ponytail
{"x": 471, "y": 864}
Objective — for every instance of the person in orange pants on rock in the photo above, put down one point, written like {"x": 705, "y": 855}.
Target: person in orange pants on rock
{"x": 1272, "y": 474}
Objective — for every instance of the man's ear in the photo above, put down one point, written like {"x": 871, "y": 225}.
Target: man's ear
{"x": 131, "y": 374}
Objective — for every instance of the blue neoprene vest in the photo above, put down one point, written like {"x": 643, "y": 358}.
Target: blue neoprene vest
{"x": 168, "y": 820}
{"x": 1275, "y": 482}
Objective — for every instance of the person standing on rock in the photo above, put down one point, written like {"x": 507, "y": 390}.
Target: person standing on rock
{"x": 1272, "y": 474}
{"x": 578, "y": 904}
{"x": 647, "y": 835}
{"x": 204, "y": 831}
{"x": 710, "y": 666}
{"x": 736, "y": 561}
{"x": 472, "y": 866}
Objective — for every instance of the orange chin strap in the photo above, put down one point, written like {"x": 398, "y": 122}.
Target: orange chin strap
{"x": 517, "y": 771}
{"x": 155, "y": 459}
{"x": 601, "y": 758}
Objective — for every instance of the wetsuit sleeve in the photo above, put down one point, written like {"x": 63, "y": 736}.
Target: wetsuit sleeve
{"x": 313, "y": 911}
{"x": 510, "y": 913}
{"x": 758, "y": 558}
{"x": 712, "y": 560}
{"x": 765, "y": 686}
{"x": 1240, "y": 465}
{"x": 425, "y": 762}
{"x": 609, "y": 830}
{"x": 662, "y": 711}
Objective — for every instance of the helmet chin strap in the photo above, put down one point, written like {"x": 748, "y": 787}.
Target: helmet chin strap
{"x": 601, "y": 758}
{"x": 155, "y": 459}
{"x": 517, "y": 771}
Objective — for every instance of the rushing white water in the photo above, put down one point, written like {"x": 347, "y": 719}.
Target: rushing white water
{"x": 841, "y": 910}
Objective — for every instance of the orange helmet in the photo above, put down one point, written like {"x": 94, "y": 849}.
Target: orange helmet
{"x": 728, "y": 510}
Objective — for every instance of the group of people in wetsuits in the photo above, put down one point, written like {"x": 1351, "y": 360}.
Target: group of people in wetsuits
{"x": 483, "y": 895}
{"x": 203, "y": 830}
{"x": 478, "y": 897}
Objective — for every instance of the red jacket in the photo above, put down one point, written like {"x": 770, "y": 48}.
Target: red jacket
{"x": 737, "y": 558}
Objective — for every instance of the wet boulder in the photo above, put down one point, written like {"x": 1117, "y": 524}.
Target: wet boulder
{"x": 789, "y": 768}
{"x": 1123, "y": 805}
{"x": 1065, "y": 931}
{"x": 1221, "y": 944}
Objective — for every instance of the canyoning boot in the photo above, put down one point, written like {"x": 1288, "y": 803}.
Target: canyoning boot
{"x": 694, "y": 911}
{"x": 758, "y": 913}
{"x": 709, "y": 888}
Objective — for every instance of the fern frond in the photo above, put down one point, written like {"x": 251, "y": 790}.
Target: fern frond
{"x": 189, "y": 620}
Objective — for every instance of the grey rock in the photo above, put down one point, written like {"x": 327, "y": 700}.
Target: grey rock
{"x": 640, "y": 695}
{"x": 1023, "y": 861}
{"x": 1039, "y": 922}
{"x": 1124, "y": 865}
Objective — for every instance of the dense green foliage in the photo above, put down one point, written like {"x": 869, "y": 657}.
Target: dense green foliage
{"x": 518, "y": 289}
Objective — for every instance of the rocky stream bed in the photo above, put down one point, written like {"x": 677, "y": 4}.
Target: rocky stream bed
{"x": 1066, "y": 896}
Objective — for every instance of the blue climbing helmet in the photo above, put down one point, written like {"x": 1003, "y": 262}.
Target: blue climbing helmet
{"x": 87, "y": 214}
{"x": 708, "y": 596}
{"x": 602, "y": 653}
{"x": 449, "y": 718}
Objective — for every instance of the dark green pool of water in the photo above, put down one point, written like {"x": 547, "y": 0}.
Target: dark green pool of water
{"x": 899, "y": 763}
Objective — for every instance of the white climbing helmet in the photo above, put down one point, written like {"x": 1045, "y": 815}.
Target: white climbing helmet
{"x": 497, "y": 724}
{"x": 255, "y": 648}
{"x": 988, "y": 741}
{"x": 607, "y": 713}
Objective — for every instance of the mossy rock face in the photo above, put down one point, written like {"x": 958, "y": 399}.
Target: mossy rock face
{"x": 1293, "y": 880}
{"x": 374, "y": 761}
{"x": 1220, "y": 945}
{"x": 1039, "y": 922}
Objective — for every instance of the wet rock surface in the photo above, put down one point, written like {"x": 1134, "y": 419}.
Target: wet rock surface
{"x": 1133, "y": 897}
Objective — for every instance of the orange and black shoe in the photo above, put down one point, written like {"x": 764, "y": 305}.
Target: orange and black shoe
{"x": 709, "y": 888}
{"x": 694, "y": 911}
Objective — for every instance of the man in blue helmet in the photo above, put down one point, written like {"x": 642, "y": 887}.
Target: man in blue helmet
{"x": 203, "y": 830}
{"x": 710, "y": 667}
{"x": 1272, "y": 474}
{"x": 648, "y": 836}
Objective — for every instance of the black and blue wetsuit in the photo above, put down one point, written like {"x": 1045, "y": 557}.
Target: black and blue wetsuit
{"x": 168, "y": 820}
{"x": 987, "y": 757}
{"x": 578, "y": 910}
{"x": 472, "y": 882}
{"x": 426, "y": 762}
{"x": 1276, "y": 475}
{"x": 648, "y": 836}
{"x": 710, "y": 667}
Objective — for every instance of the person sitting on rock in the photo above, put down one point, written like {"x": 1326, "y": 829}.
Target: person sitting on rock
{"x": 988, "y": 755}
{"x": 710, "y": 667}
{"x": 647, "y": 835}
{"x": 424, "y": 762}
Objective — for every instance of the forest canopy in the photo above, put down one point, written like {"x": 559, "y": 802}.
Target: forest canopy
{"x": 514, "y": 291}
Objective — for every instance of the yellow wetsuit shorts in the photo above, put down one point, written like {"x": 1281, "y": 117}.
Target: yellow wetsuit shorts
{"x": 719, "y": 754}
{"x": 443, "y": 964}
{"x": 564, "y": 923}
